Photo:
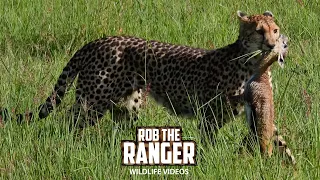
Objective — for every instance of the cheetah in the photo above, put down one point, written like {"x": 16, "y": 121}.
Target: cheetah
{"x": 115, "y": 70}
{"x": 259, "y": 104}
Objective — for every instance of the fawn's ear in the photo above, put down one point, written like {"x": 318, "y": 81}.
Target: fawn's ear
{"x": 268, "y": 13}
{"x": 242, "y": 16}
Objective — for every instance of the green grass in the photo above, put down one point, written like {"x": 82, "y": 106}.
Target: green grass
{"x": 37, "y": 39}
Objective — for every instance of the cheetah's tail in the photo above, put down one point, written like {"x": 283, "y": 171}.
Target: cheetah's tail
{"x": 65, "y": 79}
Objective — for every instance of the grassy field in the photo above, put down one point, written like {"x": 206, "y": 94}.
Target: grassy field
{"x": 38, "y": 37}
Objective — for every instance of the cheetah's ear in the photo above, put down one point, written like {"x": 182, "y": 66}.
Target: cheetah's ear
{"x": 242, "y": 16}
{"x": 268, "y": 13}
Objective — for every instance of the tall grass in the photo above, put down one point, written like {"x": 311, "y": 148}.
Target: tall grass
{"x": 37, "y": 38}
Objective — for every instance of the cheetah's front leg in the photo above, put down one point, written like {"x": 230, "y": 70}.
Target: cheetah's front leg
{"x": 215, "y": 118}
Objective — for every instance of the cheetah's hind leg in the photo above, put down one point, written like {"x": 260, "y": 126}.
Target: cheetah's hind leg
{"x": 128, "y": 107}
{"x": 84, "y": 114}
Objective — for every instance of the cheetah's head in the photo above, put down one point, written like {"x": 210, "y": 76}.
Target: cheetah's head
{"x": 258, "y": 32}
{"x": 278, "y": 53}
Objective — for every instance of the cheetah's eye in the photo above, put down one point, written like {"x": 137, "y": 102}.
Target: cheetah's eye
{"x": 275, "y": 31}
